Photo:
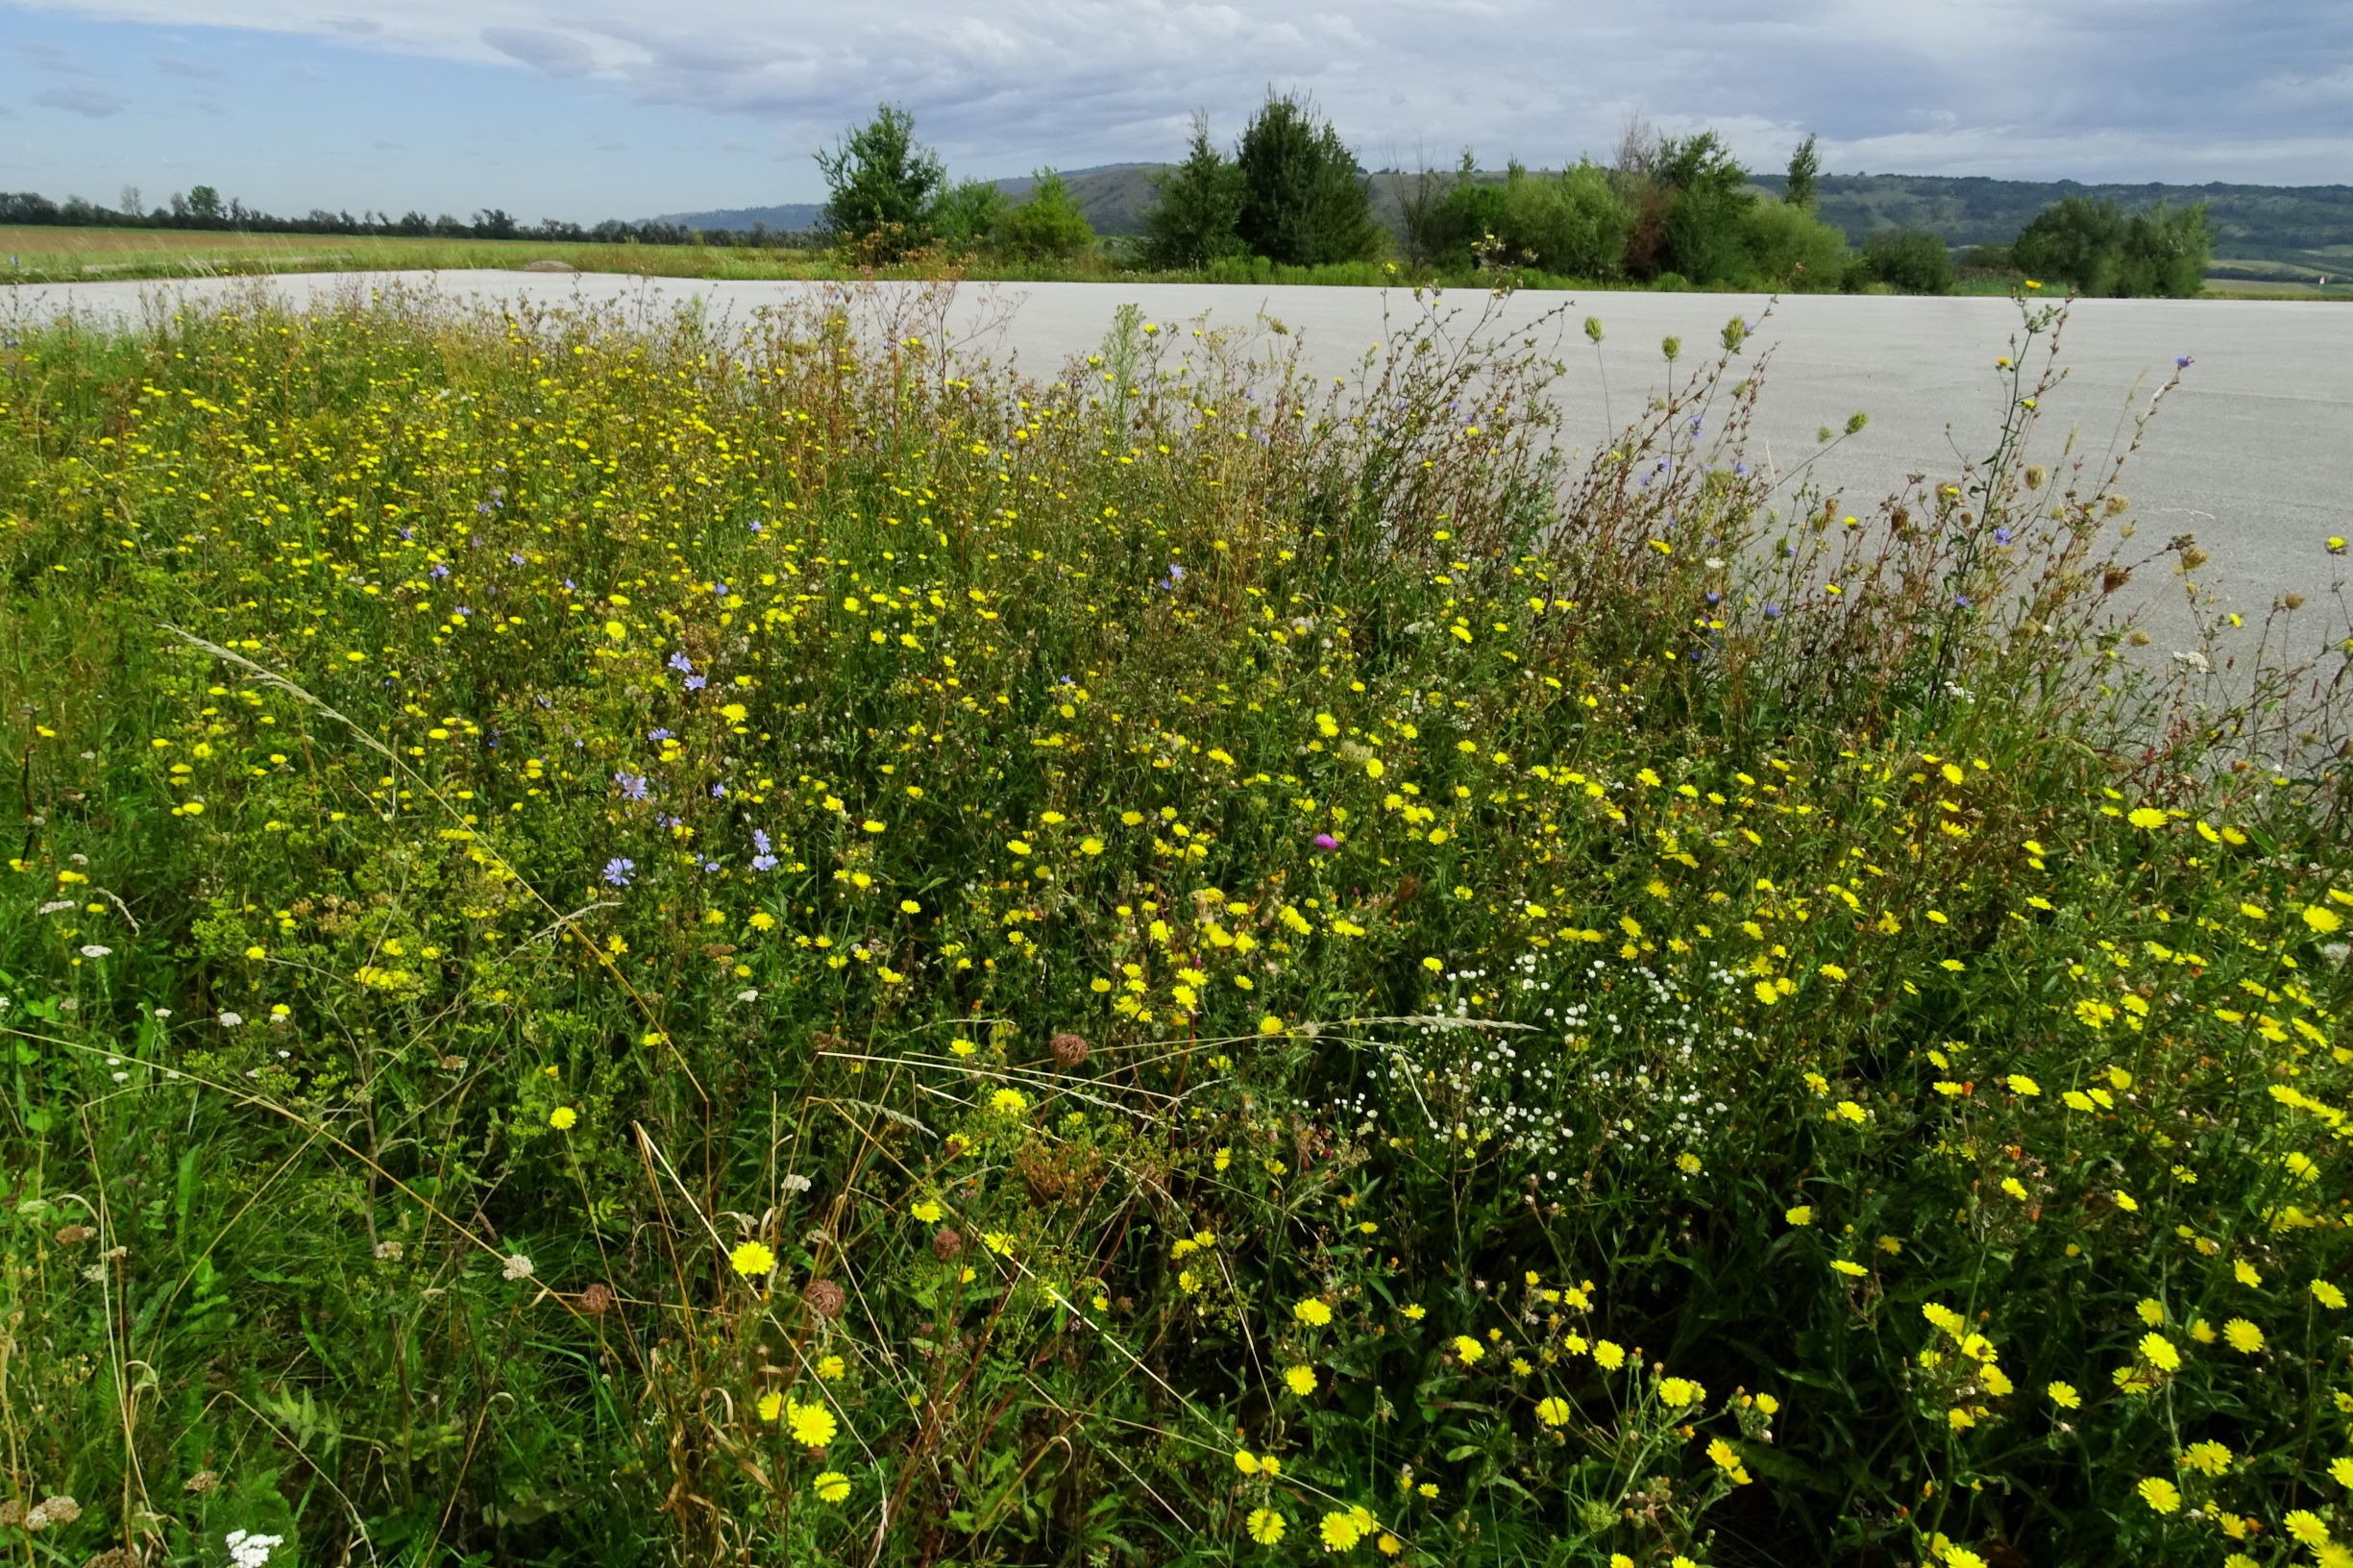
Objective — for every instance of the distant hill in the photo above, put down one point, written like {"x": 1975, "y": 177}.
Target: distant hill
{"x": 791, "y": 218}
{"x": 2297, "y": 226}
{"x": 2310, "y": 224}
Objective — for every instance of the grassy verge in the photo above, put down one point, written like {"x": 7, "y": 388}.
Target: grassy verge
{"x": 45, "y": 254}
{"x": 647, "y": 947}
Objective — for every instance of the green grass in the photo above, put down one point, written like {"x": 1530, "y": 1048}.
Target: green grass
{"x": 654, "y": 947}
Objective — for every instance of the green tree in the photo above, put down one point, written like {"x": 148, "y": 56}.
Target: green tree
{"x": 1707, "y": 200}
{"x": 1576, "y": 223}
{"x": 1418, "y": 197}
{"x": 1192, "y": 223}
{"x": 1049, "y": 227}
{"x": 964, "y": 217}
{"x": 1804, "y": 164}
{"x": 1571, "y": 223}
{"x": 2077, "y": 242}
{"x": 205, "y": 204}
{"x": 880, "y": 183}
{"x": 2166, "y": 252}
{"x": 2097, "y": 247}
{"x": 1463, "y": 220}
{"x": 1304, "y": 201}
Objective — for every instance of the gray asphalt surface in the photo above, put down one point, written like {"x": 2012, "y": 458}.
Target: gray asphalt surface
{"x": 2253, "y": 452}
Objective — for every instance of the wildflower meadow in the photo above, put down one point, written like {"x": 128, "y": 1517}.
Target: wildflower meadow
{"x": 761, "y": 941}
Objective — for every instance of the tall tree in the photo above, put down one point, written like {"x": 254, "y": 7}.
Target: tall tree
{"x": 1303, "y": 200}
{"x": 1804, "y": 164}
{"x": 1420, "y": 202}
{"x": 1193, "y": 222}
{"x": 1707, "y": 200}
{"x": 880, "y": 182}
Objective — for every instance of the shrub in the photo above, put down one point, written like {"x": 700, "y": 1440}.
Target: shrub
{"x": 1571, "y": 224}
{"x": 1047, "y": 227}
{"x": 966, "y": 215}
{"x": 1911, "y": 259}
{"x": 1788, "y": 247}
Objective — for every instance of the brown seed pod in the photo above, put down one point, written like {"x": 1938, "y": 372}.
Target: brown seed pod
{"x": 1070, "y": 1049}
{"x": 823, "y": 1297}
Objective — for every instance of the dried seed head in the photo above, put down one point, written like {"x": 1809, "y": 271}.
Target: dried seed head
{"x": 946, "y": 1243}
{"x": 597, "y": 1300}
{"x": 73, "y": 1236}
{"x": 201, "y": 1483}
{"x": 52, "y": 1510}
{"x": 823, "y": 1297}
{"x": 2037, "y": 476}
{"x": 1070, "y": 1049}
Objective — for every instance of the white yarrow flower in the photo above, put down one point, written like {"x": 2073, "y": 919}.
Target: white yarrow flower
{"x": 247, "y": 1550}
{"x": 518, "y": 1267}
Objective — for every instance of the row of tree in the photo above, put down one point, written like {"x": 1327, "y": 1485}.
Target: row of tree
{"x": 1292, "y": 192}
{"x": 1666, "y": 210}
{"x": 2098, "y": 248}
{"x": 202, "y": 208}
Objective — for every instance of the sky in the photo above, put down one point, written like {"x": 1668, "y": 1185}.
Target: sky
{"x": 592, "y": 109}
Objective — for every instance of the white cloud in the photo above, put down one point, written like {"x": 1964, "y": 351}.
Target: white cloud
{"x": 2039, "y": 87}
{"x": 96, "y": 103}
